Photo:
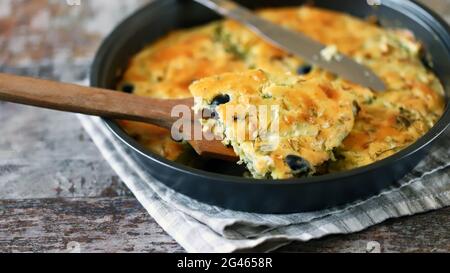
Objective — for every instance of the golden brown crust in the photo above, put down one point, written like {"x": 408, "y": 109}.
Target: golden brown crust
{"x": 154, "y": 138}
{"x": 312, "y": 116}
{"x": 386, "y": 123}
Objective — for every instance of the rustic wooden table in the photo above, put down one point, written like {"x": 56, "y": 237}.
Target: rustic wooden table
{"x": 57, "y": 193}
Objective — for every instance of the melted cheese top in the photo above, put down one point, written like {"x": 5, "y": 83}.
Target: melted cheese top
{"x": 268, "y": 118}
{"x": 386, "y": 122}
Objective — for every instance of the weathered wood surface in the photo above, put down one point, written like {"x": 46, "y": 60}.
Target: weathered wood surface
{"x": 57, "y": 193}
{"x": 120, "y": 224}
{"x": 117, "y": 224}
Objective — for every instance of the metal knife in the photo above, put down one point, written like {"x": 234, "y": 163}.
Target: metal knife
{"x": 298, "y": 44}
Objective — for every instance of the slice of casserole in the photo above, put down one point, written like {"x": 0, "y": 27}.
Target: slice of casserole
{"x": 280, "y": 126}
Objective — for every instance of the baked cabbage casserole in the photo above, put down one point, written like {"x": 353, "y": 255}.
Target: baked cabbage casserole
{"x": 326, "y": 124}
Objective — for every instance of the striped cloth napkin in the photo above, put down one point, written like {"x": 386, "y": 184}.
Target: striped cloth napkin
{"x": 200, "y": 227}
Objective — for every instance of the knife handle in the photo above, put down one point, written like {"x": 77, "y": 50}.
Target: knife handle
{"x": 271, "y": 32}
{"x": 235, "y": 11}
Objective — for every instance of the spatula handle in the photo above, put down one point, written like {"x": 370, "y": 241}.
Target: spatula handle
{"x": 87, "y": 100}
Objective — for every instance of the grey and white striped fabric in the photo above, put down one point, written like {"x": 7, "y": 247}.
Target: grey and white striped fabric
{"x": 203, "y": 228}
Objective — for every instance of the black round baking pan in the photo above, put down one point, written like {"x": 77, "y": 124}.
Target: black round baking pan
{"x": 266, "y": 196}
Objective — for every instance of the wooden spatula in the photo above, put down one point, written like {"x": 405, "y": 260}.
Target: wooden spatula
{"x": 104, "y": 103}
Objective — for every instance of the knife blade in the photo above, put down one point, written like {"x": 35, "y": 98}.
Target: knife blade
{"x": 298, "y": 44}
